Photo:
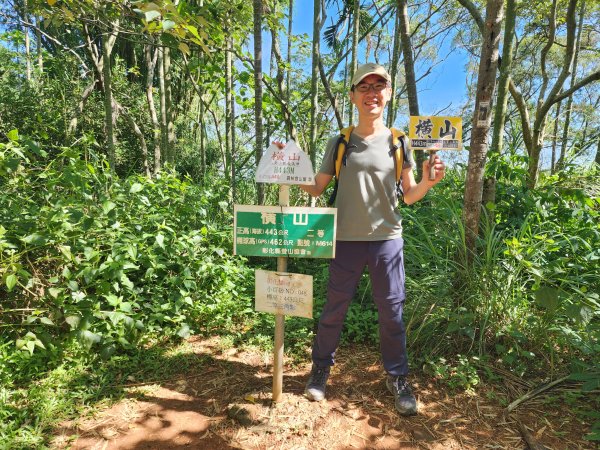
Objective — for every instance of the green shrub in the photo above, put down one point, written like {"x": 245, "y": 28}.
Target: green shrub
{"x": 109, "y": 262}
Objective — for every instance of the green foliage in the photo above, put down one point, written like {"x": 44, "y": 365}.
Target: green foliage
{"x": 109, "y": 263}
{"x": 531, "y": 294}
{"x": 37, "y": 109}
{"x": 361, "y": 324}
{"x": 460, "y": 375}
{"x": 92, "y": 267}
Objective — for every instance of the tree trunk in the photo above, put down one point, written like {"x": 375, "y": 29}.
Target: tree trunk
{"x": 597, "y": 159}
{"x": 200, "y": 140}
{"x": 314, "y": 82}
{"x": 567, "y": 124}
{"x": 159, "y": 158}
{"x": 27, "y": 42}
{"x": 151, "y": 60}
{"x": 169, "y": 127}
{"x": 217, "y": 124}
{"x": 202, "y": 129}
{"x": 409, "y": 73}
{"x": 274, "y": 50}
{"x": 38, "y": 45}
{"x": 204, "y": 160}
{"x": 228, "y": 108}
{"x": 330, "y": 96}
{"x": 545, "y": 102}
{"x": 345, "y": 98}
{"x": 555, "y": 139}
{"x": 138, "y": 132}
{"x": 98, "y": 58}
{"x": 486, "y": 83}
{"x": 80, "y": 107}
{"x": 233, "y": 149}
{"x": 289, "y": 57}
{"x": 503, "y": 80}
{"x": 354, "y": 61}
{"x": 501, "y": 100}
{"x": 108, "y": 110}
{"x": 391, "y": 112}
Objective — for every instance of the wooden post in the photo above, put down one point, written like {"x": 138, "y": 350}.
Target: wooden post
{"x": 284, "y": 200}
{"x": 431, "y": 168}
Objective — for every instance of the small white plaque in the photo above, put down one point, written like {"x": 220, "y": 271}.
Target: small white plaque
{"x": 284, "y": 293}
{"x": 289, "y": 165}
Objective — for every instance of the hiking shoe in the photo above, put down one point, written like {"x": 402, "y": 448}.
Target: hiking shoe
{"x": 406, "y": 404}
{"x": 315, "y": 387}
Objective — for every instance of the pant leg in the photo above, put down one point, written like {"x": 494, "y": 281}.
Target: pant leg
{"x": 345, "y": 271}
{"x": 386, "y": 268}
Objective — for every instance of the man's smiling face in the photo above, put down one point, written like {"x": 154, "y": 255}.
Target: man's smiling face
{"x": 372, "y": 102}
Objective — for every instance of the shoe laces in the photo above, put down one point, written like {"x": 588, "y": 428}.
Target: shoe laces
{"x": 401, "y": 385}
{"x": 319, "y": 375}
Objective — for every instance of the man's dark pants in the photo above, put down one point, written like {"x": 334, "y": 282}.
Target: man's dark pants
{"x": 385, "y": 262}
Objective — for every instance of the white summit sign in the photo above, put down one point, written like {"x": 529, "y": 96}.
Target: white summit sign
{"x": 288, "y": 165}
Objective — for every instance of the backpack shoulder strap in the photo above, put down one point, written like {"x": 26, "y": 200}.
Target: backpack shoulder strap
{"x": 399, "y": 148}
{"x": 340, "y": 151}
{"x": 339, "y": 158}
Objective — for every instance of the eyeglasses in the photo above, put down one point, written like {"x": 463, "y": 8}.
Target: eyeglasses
{"x": 366, "y": 87}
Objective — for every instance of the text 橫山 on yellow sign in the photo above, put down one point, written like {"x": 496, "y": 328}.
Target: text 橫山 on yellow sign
{"x": 435, "y": 133}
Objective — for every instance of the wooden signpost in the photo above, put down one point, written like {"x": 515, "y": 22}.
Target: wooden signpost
{"x": 282, "y": 231}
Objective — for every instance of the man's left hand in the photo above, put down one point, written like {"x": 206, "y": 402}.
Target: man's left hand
{"x": 439, "y": 168}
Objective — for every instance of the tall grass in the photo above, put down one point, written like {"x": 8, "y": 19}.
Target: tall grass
{"x": 530, "y": 297}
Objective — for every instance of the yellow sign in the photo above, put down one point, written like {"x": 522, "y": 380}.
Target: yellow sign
{"x": 435, "y": 133}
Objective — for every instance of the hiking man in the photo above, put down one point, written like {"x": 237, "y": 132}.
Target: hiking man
{"x": 369, "y": 233}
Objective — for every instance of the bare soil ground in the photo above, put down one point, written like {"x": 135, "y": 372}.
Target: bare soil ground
{"x": 228, "y": 406}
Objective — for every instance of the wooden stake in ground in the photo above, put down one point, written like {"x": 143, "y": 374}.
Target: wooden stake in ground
{"x": 431, "y": 167}
{"x": 284, "y": 200}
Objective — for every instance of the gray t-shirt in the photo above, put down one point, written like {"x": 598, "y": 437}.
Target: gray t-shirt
{"x": 366, "y": 199}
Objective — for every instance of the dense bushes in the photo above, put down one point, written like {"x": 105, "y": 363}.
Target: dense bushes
{"x": 530, "y": 299}
{"x": 109, "y": 263}
{"x": 93, "y": 266}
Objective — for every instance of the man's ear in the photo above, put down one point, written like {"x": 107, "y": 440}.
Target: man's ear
{"x": 351, "y": 96}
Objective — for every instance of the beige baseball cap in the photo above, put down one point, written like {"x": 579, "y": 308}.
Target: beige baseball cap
{"x": 365, "y": 70}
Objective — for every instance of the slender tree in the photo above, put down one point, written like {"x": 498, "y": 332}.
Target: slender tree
{"x": 290, "y": 39}
{"x": 569, "y": 108}
{"x": 108, "y": 99}
{"x": 258, "y": 118}
{"x": 534, "y": 132}
{"x": 27, "y": 42}
{"x": 486, "y": 84}
{"x": 314, "y": 86}
{"x": 555, "y": 138}
{"x": 162, "y": 92}
{"x": 354, "y": 60}
{"x": 503, "y": 80}
{"x": 38, "y": 45}
{"x": 409, "y": 71}
{"x": 228, "y": 105}
{"x": 392, "y": 105}
{"x": 152, "y": 59}
{"x": 169, "y": 116}
{"x": 489, "y": 187}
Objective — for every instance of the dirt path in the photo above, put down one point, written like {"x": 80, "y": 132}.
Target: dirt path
{"x": 227, "y": 406}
